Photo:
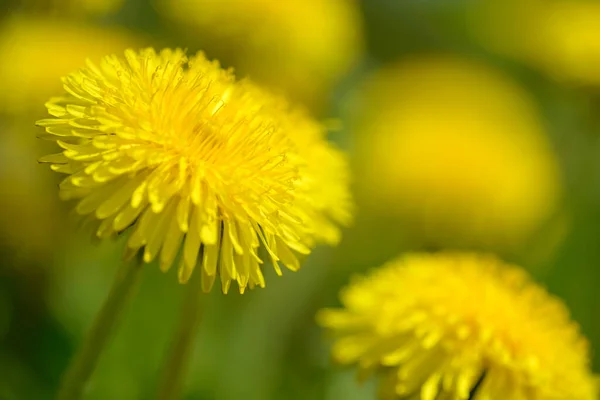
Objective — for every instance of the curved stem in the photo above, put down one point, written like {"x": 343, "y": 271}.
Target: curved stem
{"x": 83, "y": 364}
{"x": 177, "y": 364}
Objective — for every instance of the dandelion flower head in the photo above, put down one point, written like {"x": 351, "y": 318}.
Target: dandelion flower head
{"x": 271, "y": 41}
{"x": 559, "y": 37}
{"x": 460, "y": 326}
{"x": 481, "y": 170}
{"x": 191, "y": 159}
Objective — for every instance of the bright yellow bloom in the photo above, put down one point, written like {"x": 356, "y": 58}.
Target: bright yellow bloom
{"x": 560, "y": 37}
{"x": 458, "y": 151}
{"x": 302, "y": 47}
{"x": 460, "y": 326}
{"x": 37, "y": 51}
{"x": 191, "y": 159}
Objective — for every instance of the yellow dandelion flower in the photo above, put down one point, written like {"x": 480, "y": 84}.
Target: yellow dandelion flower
{"x": 31, "y": 42}
{"x": 460, "y": 326}
{"x": 270, "y": 40}
{"x": 481, "y": 171}
{"x": 189, "y": 158}
{"x": 559, "y": 37}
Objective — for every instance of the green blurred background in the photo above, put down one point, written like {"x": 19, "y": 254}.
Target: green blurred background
{"x": 470, "y": 125}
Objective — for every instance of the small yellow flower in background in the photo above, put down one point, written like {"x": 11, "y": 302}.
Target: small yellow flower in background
{"x": 192, "y": 159}
{"x": 300, "y": 47}
{"x": 449, "y": 325}
{"x": 458, "y": 151}
{"x": 37, "y": 51}
{"x": 560, "y": 37}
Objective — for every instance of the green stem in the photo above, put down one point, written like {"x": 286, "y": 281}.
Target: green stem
{"x": 177, "y": 364}
{"x": 83, "y": 364}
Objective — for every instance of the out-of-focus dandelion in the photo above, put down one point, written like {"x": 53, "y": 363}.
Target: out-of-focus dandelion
{"x": 195, "y": 163}
{"x": 458, "y": 151}
{"x": 271, "y": 41}
{"x": 59, "y": 46}
{"x": 460, "y": 326}
{"x": 560, "y": 37}
{"x": 192, "y": 159}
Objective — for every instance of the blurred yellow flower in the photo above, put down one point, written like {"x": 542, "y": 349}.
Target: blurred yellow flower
{"x": 460, "y": 326}
{"x": 560, "y": 37}
{"x": 301, "y": 47}
{"x": 458, "y": 151}
{"x": 191, "y": 159}
{"x": 36, "y": 52}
